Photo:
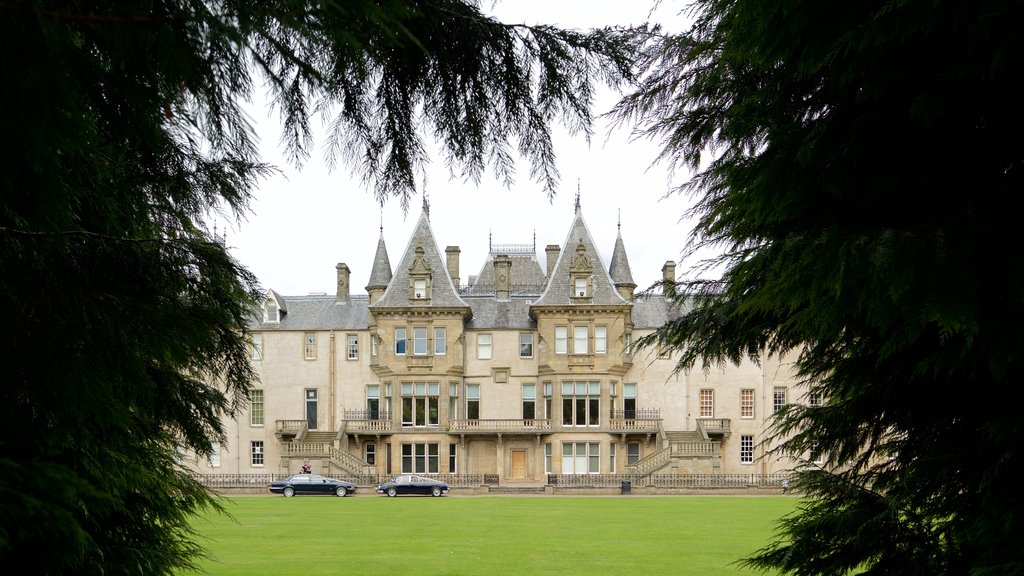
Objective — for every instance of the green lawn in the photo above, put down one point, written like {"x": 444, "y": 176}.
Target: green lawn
{"x": 489, "y": 535}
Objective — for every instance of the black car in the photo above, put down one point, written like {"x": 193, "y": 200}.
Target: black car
{"x": 412, "y": 484}
{"x": 312, "y": 484}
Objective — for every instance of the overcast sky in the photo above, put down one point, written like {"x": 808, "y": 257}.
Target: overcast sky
{"x": 304, "y": 222}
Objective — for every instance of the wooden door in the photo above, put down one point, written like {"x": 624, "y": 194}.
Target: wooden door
{"x": 519, "y": 464}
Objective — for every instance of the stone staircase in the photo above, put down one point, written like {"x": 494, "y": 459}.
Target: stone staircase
{"x": 686, "y": 436}
{"x": 319, "y": 437}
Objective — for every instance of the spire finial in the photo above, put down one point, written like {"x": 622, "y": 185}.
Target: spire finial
{"x": 619, "y": 224}
{"x": 426, "y": 204}
{"x": 382, "y": 221}
{"x": 490, "y": 241}
{"x": 577, "y": 195}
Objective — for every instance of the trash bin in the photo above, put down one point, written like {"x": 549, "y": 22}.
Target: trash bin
{"x": 627, "y": 486}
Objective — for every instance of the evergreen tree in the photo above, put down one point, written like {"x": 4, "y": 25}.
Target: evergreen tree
{"x": 855, "y": 164}
{"x": 125, "y": 316}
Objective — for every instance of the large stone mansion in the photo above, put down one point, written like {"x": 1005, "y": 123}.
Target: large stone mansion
{"x": 526, "y": 369}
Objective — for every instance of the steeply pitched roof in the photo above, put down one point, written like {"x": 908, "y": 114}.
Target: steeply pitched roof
{"x": 380, "y": 274}
{"x": 559, "y": 289}
{"x": 619, "y": 269}
{"x": 442, "y": 291}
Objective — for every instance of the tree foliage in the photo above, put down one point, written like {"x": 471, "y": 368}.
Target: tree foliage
{"x": 125, "y": 130}
{"x": 854, "y": 164}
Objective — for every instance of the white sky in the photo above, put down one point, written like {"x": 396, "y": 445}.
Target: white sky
{"x": 305, "y": 222}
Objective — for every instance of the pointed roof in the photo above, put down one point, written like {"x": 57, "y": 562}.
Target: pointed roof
{"x": 619, "y": 270}
{"x": 380, "y": 275}
{"x": 421, "y": 251}
{"x": 579, "y": 242}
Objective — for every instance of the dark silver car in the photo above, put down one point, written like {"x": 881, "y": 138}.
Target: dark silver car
{"x": 312, "y": 484}
{"x": 412, "y": 484}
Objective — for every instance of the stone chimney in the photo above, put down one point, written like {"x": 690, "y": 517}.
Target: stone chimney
{"x": 343, "y": 275}
{"x": 553, "y": 251}
{"x": 453, "y": 264}
{"x": 668, "y": 276}
{"x": 502, "y": 277}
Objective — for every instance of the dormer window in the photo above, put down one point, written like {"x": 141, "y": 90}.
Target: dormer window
{"x": 581, "y": 276}
{"x": 580, "y": 290}
{"x": 419, "y": 278}
{"x": 271, "y": 314}
{"x": 419, "y": 288}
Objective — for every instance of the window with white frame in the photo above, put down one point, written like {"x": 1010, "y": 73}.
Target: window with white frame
{"x": 778, "y": 398}
{"x": 580, "y": 287}
{"x": 747, "y": 403}
{"x": 256, "y": 407}
{"x": 628, "y": 348}
{"x": 270, "y": 311}
{"x": 352, "y": 344}
{"x": 256, "y": 452}
{"x": 440, "y": 340}
{"x": 453, "y": 400}
{"x": 373, "y": 345}
{"x": 746, "y": 449}
{"x": 529, "y": 401}
{"x": 419, "y": 404}
{"x": 547, "y": 457}
{"x": 483, "y": 346}
{"x": 372, "y": 401}
{"x": 400, "y": 341}
{"x": 707, "y": 403}
{"x": 525, "y": 345}
{"x": 419, "y": 288}
{"x": 419, "y": 341}
{"x": 309, "y": 348}
{"x": 472, "y": 401}
{"x": 581, "y": 403}
{"x": 420, "y": 458}
{"x": 580, "y": 340}
{"x": 370, "y": 453}
{"x": 561, "y": 340}
{"x": 548, "y": 389}
{"x": 600, "y": 340}
{"x": 632, "y": 453}
{"x": 611, "y": 458}
{"x": 581, "y": 458}
{"x": 214, "y": 458}
{"x": 256, "y": 346}
{"x": 814, "y": 399}
{"x": 453, "y": 451}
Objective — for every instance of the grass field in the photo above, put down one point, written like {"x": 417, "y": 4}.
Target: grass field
{"x": 489, "y": 535}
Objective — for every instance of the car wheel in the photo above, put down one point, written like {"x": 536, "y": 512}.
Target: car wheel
{"x": 392, "y": 492}
{"x": 288, "y": 492}
{"x": 435, "y": 491}
{"x": 341, "y": 491}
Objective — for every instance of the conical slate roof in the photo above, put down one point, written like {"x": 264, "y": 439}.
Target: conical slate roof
{"x": 619, "y": 270}
{"x": 559, "y": 290}
{"x": 442, "y": 291}
{"x": 380, "y": 275}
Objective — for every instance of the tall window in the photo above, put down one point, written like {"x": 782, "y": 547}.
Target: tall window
{"x": 525, "y": 345}
{"x": 256, "y": 346}
{"x": 628, "y": 349}
{"x": 420, "y": 458}
{"x": 629, "y": 400}
{"x": 529, "y": 401}
{"x": 214, "y": 459}
{"x": 611, "y": 458}
{"x": 419, "y": 341}
{"x": 309, "y": 350}
{"x": 581, "y": 458}
{"x": 747, "y": 403}
{"x": 561, "y": 340}
{"x": 373, "y": 345}
{"x": 547, "y": 457}
{"x": 256, "y": 407}
{"x": 353, "y": 346}
{"x": 580, "y": 341}
{"x": 256, "y": 452}
{"x": 581, "y": 403}
{"x": 419, "y": 403}
{"x": 453, "y": 401}
{"x": 440, "y": 341}
{"x": 373, "y": 401}
{"x": 778, "y": 398}
{"x": 814, "y": 399}
{"x": 707, "y": 403}
{"x": 452, "y": 461}
{"x": 580, "y": 287}
{"x": 472, "y": 401}
{"x": 483, "y": 346}
{"x": 370, "y": 453}
{"x": 746, "y": 449}
{"x": 632, "y": 453}
{"x": 547, "y": 399}
{"x": 600, "y": 340}
{"x": 400, "y": 341}
{"x": 419, "y": 288}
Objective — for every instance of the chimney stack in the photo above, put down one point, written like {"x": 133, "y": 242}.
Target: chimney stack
{"x": 668, "y": 275}
{"x": 453, "y": 264}
{"x": 343, "y": 275}
{"x": 502, "y": 277}
{"x": 553, "y": 251}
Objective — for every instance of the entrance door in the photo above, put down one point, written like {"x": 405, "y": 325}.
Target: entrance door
{"x": 311, "y": 408}
{"x": 519, "y": 464}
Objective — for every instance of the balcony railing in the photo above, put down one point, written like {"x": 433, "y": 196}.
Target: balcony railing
{"x": 295, "y": 428}
{"x": 641, "y": 420}
{"x": 714, "y": 425}
{"x": 510, "y": 425}
{"x": 371, "y": 421}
